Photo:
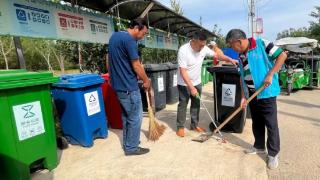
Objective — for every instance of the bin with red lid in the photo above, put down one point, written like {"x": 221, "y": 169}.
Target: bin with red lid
{"x": 111, "y": 103}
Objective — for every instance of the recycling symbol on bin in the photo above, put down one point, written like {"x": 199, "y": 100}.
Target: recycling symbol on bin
{"x": 29, "y": 114}
{"x": 92, "y": 98}
{"x": 228, "y": 92}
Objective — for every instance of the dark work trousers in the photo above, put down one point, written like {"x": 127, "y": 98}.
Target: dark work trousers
{"x": 184, "y": 96}
{"x": 264, "y": 115}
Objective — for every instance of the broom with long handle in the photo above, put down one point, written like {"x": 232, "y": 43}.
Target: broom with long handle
{"x": 239, "y": 109}
{"x": 155, "y": 129}
{"x": 213, "y": 122}
{"x": 204, "y": 137}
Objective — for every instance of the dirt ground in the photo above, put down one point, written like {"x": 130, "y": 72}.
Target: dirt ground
{"x": 180, "y": 158}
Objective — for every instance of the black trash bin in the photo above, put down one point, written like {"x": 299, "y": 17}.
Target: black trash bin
{"x": 157, "y": 75}
{"x": 172, "y": 95}
{"x": 227, "y": 97}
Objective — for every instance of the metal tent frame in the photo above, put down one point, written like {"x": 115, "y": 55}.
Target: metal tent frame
{"x": 159, "y": 16}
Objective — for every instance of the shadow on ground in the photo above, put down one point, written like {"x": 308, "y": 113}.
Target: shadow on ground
{"x": 44, "y": 174}
{"x": 316, "y": 120}
{"x": 298, "y": 103}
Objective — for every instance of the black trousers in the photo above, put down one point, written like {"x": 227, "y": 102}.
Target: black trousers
{"x": 184, "y": 96}
{"x": 264, "y": 116}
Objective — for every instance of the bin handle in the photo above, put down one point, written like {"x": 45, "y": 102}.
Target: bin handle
{"x": 238, "y": 109}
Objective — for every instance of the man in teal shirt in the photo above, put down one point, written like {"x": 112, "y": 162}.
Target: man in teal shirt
{"x": 260, "y": 60}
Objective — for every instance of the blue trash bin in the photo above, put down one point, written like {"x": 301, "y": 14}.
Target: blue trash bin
{"x": 79, "y": 102}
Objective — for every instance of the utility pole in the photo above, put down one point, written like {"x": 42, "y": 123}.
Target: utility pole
{"x": 252, "y": 15}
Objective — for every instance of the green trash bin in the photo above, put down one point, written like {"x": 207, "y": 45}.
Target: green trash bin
{"x": 203, "y": 73}
{"x": 27, "y": 132}
{"x": 209, "y": 64}
{"x": 210, "y": 77}
{"x": 206, "y": 72}
{"x": 12, "y": 71}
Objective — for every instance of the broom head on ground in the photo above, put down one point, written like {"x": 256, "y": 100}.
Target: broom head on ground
{"x": 155, "y": 129}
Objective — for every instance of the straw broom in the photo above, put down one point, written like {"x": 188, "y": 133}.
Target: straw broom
{"x": 155, "y": 129}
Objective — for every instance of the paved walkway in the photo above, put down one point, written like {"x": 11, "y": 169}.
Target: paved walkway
{"x": 180, "y": 158}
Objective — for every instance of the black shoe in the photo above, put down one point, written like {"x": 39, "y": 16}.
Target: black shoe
{"x": 140, "y": 151}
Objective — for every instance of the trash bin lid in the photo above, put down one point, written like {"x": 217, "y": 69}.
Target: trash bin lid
{"x": 106, "y": 76}
{"x": 12, "y": 71}
{"x": 155, "y": 67}
{"x": 223, "y": 69}
{"x": 171, "y": 66}
{"x": 74, "y": 81}
{"x": 10, "y": 79}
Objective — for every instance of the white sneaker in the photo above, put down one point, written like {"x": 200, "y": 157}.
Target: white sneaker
{"x": 254, "y": 150}
{"x": 273, "y": 162}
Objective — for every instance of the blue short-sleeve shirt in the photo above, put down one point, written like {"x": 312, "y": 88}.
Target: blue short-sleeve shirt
{"x": 122, "y": 50}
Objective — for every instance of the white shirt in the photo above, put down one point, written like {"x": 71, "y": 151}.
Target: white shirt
{"x": 192, "y": 61}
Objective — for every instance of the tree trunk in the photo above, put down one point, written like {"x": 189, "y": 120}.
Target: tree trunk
{"x": 60, "y": 60}
{"x": 80, "y": 57}
{"x": 61, "y": 63}
{"x": 48, "y": 62}
{"x": 6, "y": 61}
{"x": 4, "y": 55}
{"x": 46, "y": 58}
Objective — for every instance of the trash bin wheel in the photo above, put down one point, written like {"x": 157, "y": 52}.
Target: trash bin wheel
{"x": 62, "y": 143}
{"x": 36, "y": 166}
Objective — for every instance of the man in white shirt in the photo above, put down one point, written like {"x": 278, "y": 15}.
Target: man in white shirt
{"x": 190, "y": 58}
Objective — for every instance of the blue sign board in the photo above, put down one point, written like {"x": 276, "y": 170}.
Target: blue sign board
{"x": 45, "y": 19}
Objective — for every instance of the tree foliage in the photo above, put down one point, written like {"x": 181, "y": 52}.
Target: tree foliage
{"x": 316, "y": 14}
{"x": 157, "y": 56}
{"x": 41, "y": 54}
{"x": 313, "y": 31}
{"x": 315, "y": 25}
{"x": 301, "y": 32}
{"x": 220, "y": 39}
{"x": 94, "y": 57}
{"x": 176, "y": 6}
